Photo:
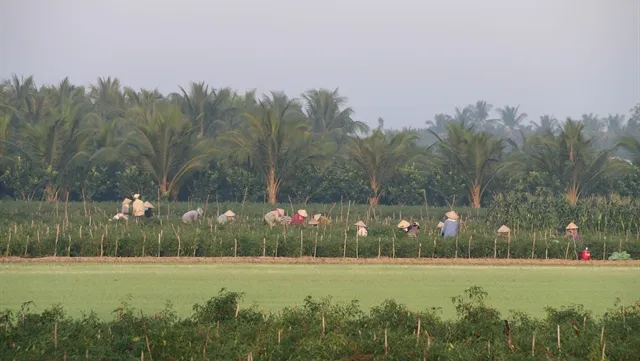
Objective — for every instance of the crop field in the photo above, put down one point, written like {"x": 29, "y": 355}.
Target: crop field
{"x": 245, "y": 291}
{"x": 85, "y": 230}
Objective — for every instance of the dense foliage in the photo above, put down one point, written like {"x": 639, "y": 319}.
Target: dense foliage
{"x": 323, "y": 330}
{"x": 66, "y": 230}
{"x": 104, "y": 142}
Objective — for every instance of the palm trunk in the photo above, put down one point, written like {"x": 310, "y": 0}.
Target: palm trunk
{"x": 272, "y": 186}
{"x": 51, "y": 193}
{"x": 474, "y": 195}
{"x": 572, "y": 191}
{"x": 375, "y": 188}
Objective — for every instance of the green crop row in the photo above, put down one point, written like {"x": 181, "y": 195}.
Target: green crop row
{"x": 607, "y": 215}
{"x": 253, "y": 239}
{"x": 323, "y": 330}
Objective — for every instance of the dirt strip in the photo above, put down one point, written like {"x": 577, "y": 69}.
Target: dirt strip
{"x": 311, "y": 260}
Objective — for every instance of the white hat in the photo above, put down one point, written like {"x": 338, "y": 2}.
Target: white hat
{"x": 148, "y": 205}
{"x": 280, "y": 211}
{"x": 303, "y": 213}
{"x": 126, "y": 201}
{"x": 361, "y": 224}
{"x": 200, "y": 211}
{"x": 229, "y": 213}
{"x": 452, "y": 215}
{"x": 313, "y": 222}
{"x": 440, "y": 224}
{"x": 317, "y": 216}
{"x": 136, "y": 196}
{"x": 504, "y": 229}
{"x": 571, "y": 226}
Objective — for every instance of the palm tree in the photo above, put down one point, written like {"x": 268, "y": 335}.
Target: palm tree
{"x": 168, "y": 148}
{"x": 439, "y": 123}
{"x": 274, "y": 141}
{"x": 476, "y": 156}
{"x": 379, "y": 156}
{"x": 56, "y": 145}
{"x": 631, "y": 145}
{"x": 329, "y": 115}
{"x": 547, "y": 124}
{"x": 108, "y": 98}
{"x": 571, "y": 157}
{"x": 510, "y": 118}
{"x": 481, "y": 111}
{"x": 204, "y": 107}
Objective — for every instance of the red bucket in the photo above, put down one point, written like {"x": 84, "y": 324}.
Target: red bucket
{"x": 585, "y": 255}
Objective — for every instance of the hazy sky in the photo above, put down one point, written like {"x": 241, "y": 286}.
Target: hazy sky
{"x": 401, "y": 60}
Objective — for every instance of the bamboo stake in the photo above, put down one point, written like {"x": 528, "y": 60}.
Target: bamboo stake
{"x": 146, "y": 334}
{"x": 55, "y": 250}
{"x": 301, "y": 243}
{"x": 55, "y": 335}
{"x": 533, "y": 345}
{"x": 264, "y": 247}
{"x": 418, "y": 332}
{"x": 323, "y": 324}
{"x": 495, "y": 247}
{"x": 558, "y": 336}
{"x": 533, "y": 247}
{"x": 604, "y": 346}
{"x": 6, "y": 254}
{"x": 420, "y": 250}
{"x": 235, "y": 247}
{"x": 386, "y": 343}
{"x": 344, "y": 249}
{"x": 379, "y": 247}
{"x": 469, "y": 247}
{"x": 315, "y": 246}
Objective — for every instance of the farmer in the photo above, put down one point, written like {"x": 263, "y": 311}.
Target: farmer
{"x": 450, "y": 227}
{"x": 299, "y": 217}
{"x": 321, "y": 219}
{"x": 126, "y": 205}
{"x": 413, "y": 229}
{"x": 226, "y": 217}
{"x": 404, "y": 225}
{"x": 192, "y": 216}
{"x": 313, "y": 222}
{"x": 572, "y": 231}
{"x": 362, "y": 229}
{"x": 148, "y": 209}
{"x": 138, "y": 206}
{"x": 274, "y": 217}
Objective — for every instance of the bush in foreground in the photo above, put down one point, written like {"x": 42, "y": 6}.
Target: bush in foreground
{"x": 323, "y": 330}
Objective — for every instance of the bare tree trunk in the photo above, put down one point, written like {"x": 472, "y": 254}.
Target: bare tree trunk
{"x": 475, "y": 196}
{"x": 272, "y": 186}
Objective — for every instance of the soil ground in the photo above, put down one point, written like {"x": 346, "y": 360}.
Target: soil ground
{"x": 311, "y": 260}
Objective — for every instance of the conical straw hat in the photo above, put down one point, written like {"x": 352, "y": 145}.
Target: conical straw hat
{"x": 317, "y": 216}
{"x": 280, "y": 211}
{"x": 572, "y": 226}
{"x": 303, "y": 213}
{"x": 136, "y": 196}
{"x": 229, "y": 213}
{"x": 440, "y": 224}
{"x": 361, "y": 224}
{"x": 147, "y": 205}
{"x": 403, "y": 224}
{"x": 452, "y": 215}
{"x": 504, "y": 229}
{"x": 127, "y": 201}
{"x": 313, "y": 222}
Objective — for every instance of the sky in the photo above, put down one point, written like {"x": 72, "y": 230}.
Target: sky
{"x": 401, "y": 60}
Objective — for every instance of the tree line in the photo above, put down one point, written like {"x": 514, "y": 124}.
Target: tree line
{"x": 105, "y": 141}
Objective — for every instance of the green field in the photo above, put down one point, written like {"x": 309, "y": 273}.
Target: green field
{"x": 102, "y": 287}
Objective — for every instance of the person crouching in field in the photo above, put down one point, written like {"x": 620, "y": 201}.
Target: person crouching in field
{"x": 572, "y": 231}
{"x": 299, "y": 217}
{"x": 192, "y": 216}
{"x": 412, "y": 230}
{"x": 126, "y": 206}
{"x": 138, "y": 206}
{"x": 450, "y": 227}
{"x": 226, "y": 217}
{"x": 362, "y": 229}
{"x": 148, "y": 209}
{"x": 274, "y": 217}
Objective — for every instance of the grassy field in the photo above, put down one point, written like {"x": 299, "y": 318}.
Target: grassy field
{"x": 102, "y": 287}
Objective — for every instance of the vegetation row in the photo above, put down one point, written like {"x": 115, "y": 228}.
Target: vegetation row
{"x": 321, "y": 329}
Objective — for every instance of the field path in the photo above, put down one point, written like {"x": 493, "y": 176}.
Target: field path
{"x": 311, "y": 260}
